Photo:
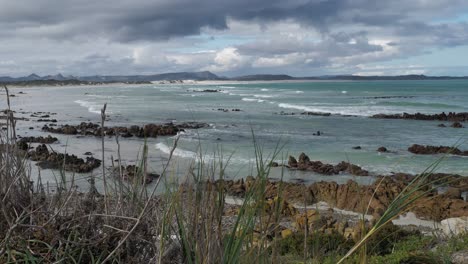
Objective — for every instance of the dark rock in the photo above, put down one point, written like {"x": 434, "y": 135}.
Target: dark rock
{"x": 274, "y": 164}
{"x": 441, "y": 125}
{"x": 67, "y": 162}
{"x": 292, "y": 162}
{"x": 428, "y": 150}
{"x": 382, "y": 149}
{"x": 304, "y": 163}
{"x": 451, "y": 116}
{"x": 457, "y": 125}
{"x": 43, "y": 140}
{"x": 357, "y": 147}
{"x": 149, "y": 130}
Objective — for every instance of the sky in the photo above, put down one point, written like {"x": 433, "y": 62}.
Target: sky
{"x": 234, "y": 37}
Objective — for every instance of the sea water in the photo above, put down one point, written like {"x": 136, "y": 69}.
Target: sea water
{"x": 231, "y": 135}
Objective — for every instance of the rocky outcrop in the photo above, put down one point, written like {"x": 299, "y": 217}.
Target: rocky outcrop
{"x": 149, "y": 130}
{"x": 52, "y": 160}
{"x": 305, "y": 113}
{"x": 304, "y": 163}
{"x": 43, "y": 140}
{"x": 451, "y": 116}
{"x": 428, "y": 150}
{"x": 373, "y": 199}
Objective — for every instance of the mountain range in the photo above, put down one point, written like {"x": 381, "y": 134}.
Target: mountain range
{"x": 209, "y": 76}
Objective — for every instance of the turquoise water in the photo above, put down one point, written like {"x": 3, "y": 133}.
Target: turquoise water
{"x": 351, "y": 104}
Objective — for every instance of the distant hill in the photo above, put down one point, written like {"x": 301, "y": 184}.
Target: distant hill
{"x": 197, "y": 76}
{"x": 263, "y": 77}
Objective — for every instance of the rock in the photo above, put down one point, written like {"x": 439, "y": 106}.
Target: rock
{"x": 455, "y": 226}
{"x": 308, "y": 219}
{"x": 149, "y": 130}
{"x": 67, "y": 162}
{"x": 292, "y": 162}
{"x": 304, "y": 163}
{"x": 460, "y": 257}
{"x": 88, "y": 153}
{"x": 274, "y": 164}
{"x": 357, "y": 147}
{"x": 31, "y": 128}
{"x": 457, "y": 125}
{"x": 43, "y": 140}
{"x": 441, "y": 125}
{"x": 303, "y": 160}
{"x": 382, "y": 149}
{"x": 453, "y": 193}
{"x": 451, "y": 116}
{"x": 428, "y": 150}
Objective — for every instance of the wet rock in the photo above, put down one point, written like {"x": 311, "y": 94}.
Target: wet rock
{"x": 441, "y": 125}
{"x": 304, "y": 163}
{"x": 357, "y": 147}
{"x": 292, "y": 162}
{"x": 451, "y": 116}
{"x": 274, "y": 164}
{"x": 428, "y": 150}
{"x": 43, "y": 140}
{"x": 67, "y": 162}
{"x": 149, "y": 130}
{"x": 457, "y": 125}
{"x": 382, "y": 149}
{"x": 88, "y": 153}
{"x": 47, "y": 120}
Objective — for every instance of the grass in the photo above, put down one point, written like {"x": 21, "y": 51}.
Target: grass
{"x": 189, "y": 223}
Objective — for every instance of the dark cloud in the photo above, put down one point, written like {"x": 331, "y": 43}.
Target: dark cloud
{"x": 155, "y": 20}
{"x": 141, "y": 36}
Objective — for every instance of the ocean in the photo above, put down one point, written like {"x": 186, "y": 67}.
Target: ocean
{"x": 231, "y": 134}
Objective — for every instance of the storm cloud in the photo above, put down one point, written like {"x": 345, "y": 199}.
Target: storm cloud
{"x": 228, "y": 37}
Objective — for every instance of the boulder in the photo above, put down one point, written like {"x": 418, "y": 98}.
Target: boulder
{"x": 382, "y": 149}
{"x": 455, "y": 226}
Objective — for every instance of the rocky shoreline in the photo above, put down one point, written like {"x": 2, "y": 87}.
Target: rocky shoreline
{"x": 146, "y": 131}
{"x": 373, "y": 199}
{"x": 305, "y": 164}
{"x": 430, "y": 150}
{"x": 53, "y": 160}
{"x": 451, "y": 116}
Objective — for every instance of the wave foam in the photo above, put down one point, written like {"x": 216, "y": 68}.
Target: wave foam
{"x": 263, "y": 96}
{"x": 253, "y": 100}
{"x": 178, "y": 152}
{"x": 92, "y": 107}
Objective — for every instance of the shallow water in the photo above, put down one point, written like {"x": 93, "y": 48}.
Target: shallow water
{"x": 231, "y": 133}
